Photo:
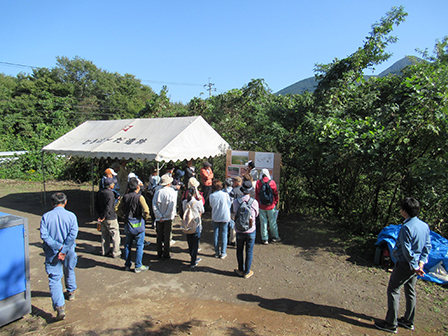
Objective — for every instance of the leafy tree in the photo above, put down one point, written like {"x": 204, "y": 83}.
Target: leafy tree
{"x": 38, "y": 108}
{"x": 358, "y": 146}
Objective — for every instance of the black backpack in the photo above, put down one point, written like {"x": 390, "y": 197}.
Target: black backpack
{"x": 242, "y": 216}
{"x": 266, "y": 194}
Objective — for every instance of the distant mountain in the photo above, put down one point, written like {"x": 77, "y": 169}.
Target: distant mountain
{"x": 309, "y": 84}
{"x": 399, "y": 65}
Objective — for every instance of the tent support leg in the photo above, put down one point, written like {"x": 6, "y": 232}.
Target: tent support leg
{"x": 92, "y": 194}
{"x": 43, "y": 181}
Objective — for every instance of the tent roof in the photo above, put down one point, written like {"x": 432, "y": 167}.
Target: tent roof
{"x": 160, "y": 139}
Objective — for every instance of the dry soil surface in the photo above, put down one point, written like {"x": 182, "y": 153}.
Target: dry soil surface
{"x": 306, "y": 285}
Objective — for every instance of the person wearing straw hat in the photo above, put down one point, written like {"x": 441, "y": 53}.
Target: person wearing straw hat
{"x": 191, "y": 184}
{"x": 164, "y": 206}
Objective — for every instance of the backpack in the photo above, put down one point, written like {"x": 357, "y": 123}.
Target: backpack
{"x": 190, "y": 223}
{"x": 266, "y": 195}
{"x": 151, "y": 191}
{"x": 242, "y": 216}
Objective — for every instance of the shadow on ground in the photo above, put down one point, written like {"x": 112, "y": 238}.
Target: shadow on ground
{"x": 294, "y": 307}
{"x": 312, "y": 235}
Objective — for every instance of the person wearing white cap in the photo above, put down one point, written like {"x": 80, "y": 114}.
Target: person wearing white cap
{"x": 164, "y": 206}
{"x": 266, "y": 194}
{"x": 131, "y": 175}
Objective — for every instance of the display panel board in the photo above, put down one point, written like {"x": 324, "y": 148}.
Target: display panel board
{"x": 236, "y": 160}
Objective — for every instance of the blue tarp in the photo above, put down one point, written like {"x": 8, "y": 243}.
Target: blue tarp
{"x": 439, "y": 250}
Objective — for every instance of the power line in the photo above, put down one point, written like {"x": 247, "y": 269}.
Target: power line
{"x": 18, "y": 65}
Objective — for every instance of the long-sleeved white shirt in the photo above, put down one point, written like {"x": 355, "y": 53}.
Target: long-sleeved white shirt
{"x": 164, "y": 203}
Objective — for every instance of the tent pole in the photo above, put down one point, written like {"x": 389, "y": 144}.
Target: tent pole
{"x": 43, "y": 180}
{"x": 92, "y": 201}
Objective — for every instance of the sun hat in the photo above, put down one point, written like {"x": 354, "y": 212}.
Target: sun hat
{"x": 206, "y": 164}
{"x": 247, "y": 187}
{"x": 192, "y": 182}
{"x": 237, "y": 179}
{"x": 165, "y": 180}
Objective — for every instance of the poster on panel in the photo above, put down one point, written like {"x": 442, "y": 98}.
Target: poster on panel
{"x": 236, "y": 163}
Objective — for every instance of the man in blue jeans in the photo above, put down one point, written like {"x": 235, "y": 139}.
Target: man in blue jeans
{"x": 220, "y": 204}
{"x": 246, "y": 237}
{"x": 135, "y": 211}
{"x": 411, "y": 253}
{"x": 58, "y": 230}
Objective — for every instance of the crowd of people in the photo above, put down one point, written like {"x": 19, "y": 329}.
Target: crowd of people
{"x": 238, "y": 206}
{"x": 234, "y": 205}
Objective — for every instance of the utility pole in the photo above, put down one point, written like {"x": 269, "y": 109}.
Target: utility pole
{"x": 209, "y": 87}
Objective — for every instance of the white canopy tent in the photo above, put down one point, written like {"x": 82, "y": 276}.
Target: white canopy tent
{"x": 159, "y": 139}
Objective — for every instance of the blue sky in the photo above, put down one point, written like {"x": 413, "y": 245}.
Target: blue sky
{"x": 182, "y": 43}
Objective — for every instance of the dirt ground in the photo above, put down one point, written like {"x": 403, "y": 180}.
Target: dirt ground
{"x": 306, "y": 285}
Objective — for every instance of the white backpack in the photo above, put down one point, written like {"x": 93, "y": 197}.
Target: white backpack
{"x": 190, "y": 222}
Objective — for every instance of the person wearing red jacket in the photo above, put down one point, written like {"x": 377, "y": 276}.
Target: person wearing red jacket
{"x": 207, "y": 175}
{"x": 267, "y": 211}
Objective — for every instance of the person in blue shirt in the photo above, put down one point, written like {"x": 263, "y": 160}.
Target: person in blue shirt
{"x": 110, "y": 173}
{"x": 411, "y": 254}
{"x": 220, "y": 204}
{"x": 58, "y": 230}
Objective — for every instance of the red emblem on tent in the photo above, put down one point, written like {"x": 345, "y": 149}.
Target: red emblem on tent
{"x": 127, "y": 128}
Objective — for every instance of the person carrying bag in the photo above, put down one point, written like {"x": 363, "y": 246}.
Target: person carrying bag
{"x": 192, "y": 224}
